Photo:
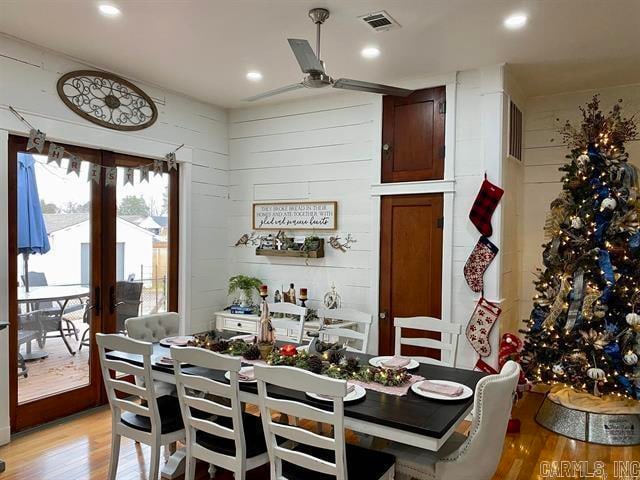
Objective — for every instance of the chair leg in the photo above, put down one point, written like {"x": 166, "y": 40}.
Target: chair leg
{"x": 190, "y": 468}
{"x": 66, "y": 342}
{"x": 154, "y": 467}
{"x": 115, "y": 453}
{"x": 84, "y": 341}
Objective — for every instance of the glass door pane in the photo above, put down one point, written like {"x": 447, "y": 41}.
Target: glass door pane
{"x": 142, "y": 245}
{"x": 54, "y": 228}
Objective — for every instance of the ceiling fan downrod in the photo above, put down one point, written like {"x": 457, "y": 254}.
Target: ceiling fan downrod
{"x": 318, "y": 16}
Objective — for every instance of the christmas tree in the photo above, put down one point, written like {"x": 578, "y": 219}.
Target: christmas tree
{"x": 584, "y": 330}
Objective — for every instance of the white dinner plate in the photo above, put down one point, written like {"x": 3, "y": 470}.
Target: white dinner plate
{"x": 179, "y": 341}
{"x": 357, "y": 393}
{"x": 376, "y": 362}
{"x": 466, "y": 391}
{"x": 227, "y": 375}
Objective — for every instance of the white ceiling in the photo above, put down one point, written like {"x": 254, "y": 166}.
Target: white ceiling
{"x": 203, "y": 48}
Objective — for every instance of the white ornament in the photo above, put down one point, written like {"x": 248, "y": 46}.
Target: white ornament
{"x": 596, "y": 374}
{"x": 576, "y": 222}
{"x": 633, "y": 319}
{"x": 608, "y": 204}
{"x": 630, "y": 358}
{"x": 558, "y": 369}
{"x": 583, "y": 159}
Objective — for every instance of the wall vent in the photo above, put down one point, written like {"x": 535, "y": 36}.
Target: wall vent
{"x": 515, "y": 131}
{"x": 380, "y": 21}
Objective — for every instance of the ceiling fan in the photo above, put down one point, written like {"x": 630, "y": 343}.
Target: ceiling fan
{"x": 313, "y": 67}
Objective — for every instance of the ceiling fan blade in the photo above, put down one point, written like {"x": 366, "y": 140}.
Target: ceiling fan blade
{"x": 349, "y": 84}
{"x": 305, "y": 56}
{"x": 276, "y": 91}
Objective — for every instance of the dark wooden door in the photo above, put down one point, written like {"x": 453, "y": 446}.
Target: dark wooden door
{"x": 410, "y": 264}
{"x": 413, "y": 136}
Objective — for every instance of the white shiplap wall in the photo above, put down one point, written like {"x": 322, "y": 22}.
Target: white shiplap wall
{"x": 544, "y": 153}
{"x": 28, "y": 77}
{"x": 326, "y": 148}
{"x": 320, "y": 148}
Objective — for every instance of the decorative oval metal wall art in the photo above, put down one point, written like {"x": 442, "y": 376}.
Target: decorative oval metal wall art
{"x": 107, "y": 100}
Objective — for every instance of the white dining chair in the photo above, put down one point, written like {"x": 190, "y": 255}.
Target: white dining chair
{"x": 475, "y": 457}
{"x": 359, "y": 334}
{"x": 447, "y": 345}
{"x": 216, "y": 433}
{"x": 299, "y": 454}
{"x": 292, "y": 323}
{"x": 141, "y": 415}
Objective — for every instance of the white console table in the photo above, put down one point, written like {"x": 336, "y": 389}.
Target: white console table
{"x": 238, "y": 322}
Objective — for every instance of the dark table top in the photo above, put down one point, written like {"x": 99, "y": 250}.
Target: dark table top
{"x": 410, "y": 412}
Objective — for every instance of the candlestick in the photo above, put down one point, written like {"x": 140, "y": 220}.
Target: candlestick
{"x": 264, "y": 291}
{"x": 303, "y": 296}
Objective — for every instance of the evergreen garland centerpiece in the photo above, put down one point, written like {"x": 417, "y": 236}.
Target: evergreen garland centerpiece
{"x": 584, "y": 329}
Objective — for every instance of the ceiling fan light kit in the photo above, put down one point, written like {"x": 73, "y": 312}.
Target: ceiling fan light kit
{"x": 314, "y": 69}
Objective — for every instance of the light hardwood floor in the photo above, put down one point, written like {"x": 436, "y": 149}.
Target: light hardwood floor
{"x": 78, "y": 449}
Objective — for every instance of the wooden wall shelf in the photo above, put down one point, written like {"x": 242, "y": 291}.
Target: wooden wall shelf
{"x": 268, "y": 252}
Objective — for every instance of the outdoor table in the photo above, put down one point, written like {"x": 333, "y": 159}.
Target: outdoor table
{"x": 52, "y": 293}
{"x": 409, "y": 419}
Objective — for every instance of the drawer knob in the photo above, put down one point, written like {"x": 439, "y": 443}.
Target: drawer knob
{"x": 239, "y": 324}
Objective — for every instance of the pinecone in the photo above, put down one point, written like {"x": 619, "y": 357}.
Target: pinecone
{"x": 252, "y": 353}
{"x": 334, "y": 357}
{"x": 315, "y": 364}
{"x": 220, "y": 346}
{"x": 352, "y": 364}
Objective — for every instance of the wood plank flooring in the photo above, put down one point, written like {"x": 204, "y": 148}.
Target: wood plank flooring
{"x": 78, "y": 448}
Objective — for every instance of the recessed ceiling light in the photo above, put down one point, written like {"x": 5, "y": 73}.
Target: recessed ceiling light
{"x": 515, "y": 21}
{"x": 108, "y": 10}
{"x": 370, "y": 52}
{"x": 254, "y": 76}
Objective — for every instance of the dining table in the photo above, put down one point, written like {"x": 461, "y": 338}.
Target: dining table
{"x": 60, "y": 294}
{"x": 409, "y": 419}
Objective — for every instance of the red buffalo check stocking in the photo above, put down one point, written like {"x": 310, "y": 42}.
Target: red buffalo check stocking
{"x": 479, "y": 327}
{"x": 484, "y": 205}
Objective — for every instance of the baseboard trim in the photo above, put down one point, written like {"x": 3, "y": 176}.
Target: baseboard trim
{"x": 5, "y": 435}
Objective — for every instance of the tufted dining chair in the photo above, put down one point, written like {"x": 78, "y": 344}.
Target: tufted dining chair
{"x": 153, "y": 327}
{"x": 473, "y": 457}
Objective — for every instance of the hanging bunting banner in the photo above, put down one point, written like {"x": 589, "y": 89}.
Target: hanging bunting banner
{"x": 128, "y": 176}
{"x": 36, "y": 140}
{"x": 144, "y": 173}
{"x": 112, "y": 176}
{"x": 55, "y": 154}
{"x": 94, "y": 172}
{"x": 171, "y": 160}
{"x": 74, "y": 164}
{"x": 157, "y": 167}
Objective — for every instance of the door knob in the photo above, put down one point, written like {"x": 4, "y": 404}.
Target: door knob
{"x": 386, "y": 147}
{"x": 382, "y": 315}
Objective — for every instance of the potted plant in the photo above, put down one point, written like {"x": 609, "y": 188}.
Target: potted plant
{"x": 311, "y": 244}
{"x": 246, "y": 286}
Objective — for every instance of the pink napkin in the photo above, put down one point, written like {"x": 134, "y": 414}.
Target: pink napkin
{"x": 245, "y": 338}
{"x": 440, "y": 389}
{"x": 166, "y": 360}
{"x": 350, "y": 388}
{"x": 247, "y": 374}
{"x": 396, "y": 362}
{"x": 178, "y": 341}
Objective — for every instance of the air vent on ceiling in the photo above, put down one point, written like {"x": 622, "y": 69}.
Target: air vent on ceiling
{"x": 380, "y": 21}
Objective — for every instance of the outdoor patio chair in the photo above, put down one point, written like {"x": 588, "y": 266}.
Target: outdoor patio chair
{"x": 39, "y": 279}
{"x": 128, "y": 295}
{"x": 29, "y": 329}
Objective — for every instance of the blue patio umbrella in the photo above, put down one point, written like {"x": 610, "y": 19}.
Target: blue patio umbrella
{"x": 32, "y": 231}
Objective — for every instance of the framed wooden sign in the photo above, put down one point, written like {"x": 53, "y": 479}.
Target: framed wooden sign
{"x": 295, "y": 216}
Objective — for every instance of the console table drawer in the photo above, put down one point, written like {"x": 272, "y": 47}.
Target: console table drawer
{"x": 232, "y": 324}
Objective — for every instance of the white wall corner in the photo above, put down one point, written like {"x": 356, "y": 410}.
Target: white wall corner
{"x": 5, "y": 429}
